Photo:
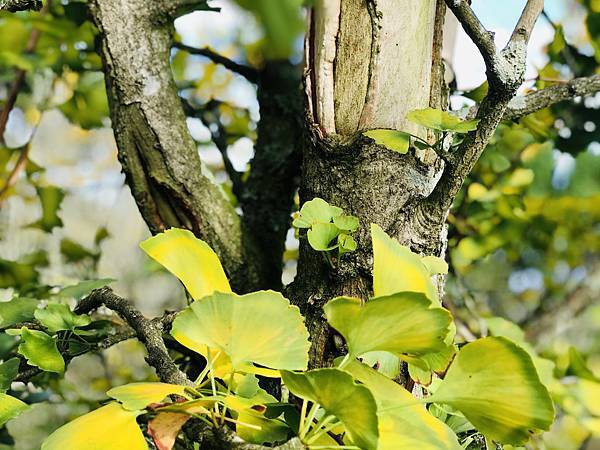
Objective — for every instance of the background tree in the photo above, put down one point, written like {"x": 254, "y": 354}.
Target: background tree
{"x": 367, "y": 66}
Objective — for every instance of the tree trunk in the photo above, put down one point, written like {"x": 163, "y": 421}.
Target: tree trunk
{"x": 368, "y": 64}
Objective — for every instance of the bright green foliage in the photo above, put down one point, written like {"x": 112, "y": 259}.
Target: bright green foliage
{"x": 328, "y": 228}
{"x": 17, "y": 310}
{"x": 339, "y": 395}
{"x": 397, "y": 141}
{"x": 40, "y": 350}
{"x": 56, "y": 317}
{"x": 8, "y": 371}
{"x": 402, "y": 324}
{"x": 10, "y": 408}
{"x": 261, "y": 328}
{"x": 493, "y": 382}
{"x": 108, "y": 428}
{"x": 189, "y": 259}
{"x": 439, "y": 120}
{"x": 402, "y": 423}
{"x": 136, "y": 396}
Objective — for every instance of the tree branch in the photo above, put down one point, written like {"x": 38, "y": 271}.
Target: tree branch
{"x": 171, "y": 186}
{"x": 247, "y": 72}
{"x": 20, "y": 5}
{"x": 505, "y": 72}
{"x": 526, "y": 104}
{"x": 149, "y": 332}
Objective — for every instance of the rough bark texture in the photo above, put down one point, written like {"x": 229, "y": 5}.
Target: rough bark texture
{"x": 158, "y": 155}
{"x": 347, "y": 169}
{"x": 20, "y": 5}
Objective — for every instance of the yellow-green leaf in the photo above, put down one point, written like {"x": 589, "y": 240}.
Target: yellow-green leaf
{"x": 402, "y": 323}
{"x": 396, "y": 268}
{"x": 10, "y": 408}
{"x": 436, "y": 119}
{"x": 261, "y": 328}
{"x": 189, "y": 259}
{"x": 135, "y": 396}
{"x": 493, "y": 382}
{"x": 435, "y": 265}
{"x": 403, "y": 424}
{"x": 321, "y": 235}
{"x": 337, "y": 393}
{"x": 108, "y": 428}
{"x": 397, "y": 141}
{"x": 40, "y": 350}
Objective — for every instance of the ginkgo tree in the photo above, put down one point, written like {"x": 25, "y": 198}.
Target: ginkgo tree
{"x": 357, "y": 152}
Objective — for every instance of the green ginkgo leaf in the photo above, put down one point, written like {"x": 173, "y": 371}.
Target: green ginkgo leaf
{"x": 261, "y": 328}
{"x": 403, "y": 424}
{"x": 189, "y": 259}
{"x": 403, "y": 324}
{"x": 494, "y": 383}
{"x": 108, "y": 428}
{"x": 396, "y": 268}
{"x": 318, "y": 210}
{"x": 10, "y": 408}
{"x": 321, "y": 235}
{"x": 346, "y": 223}
{"x": 136, "y": 396}
{"x": 57, "y": 317}
{"x": 41, "y": 351}
{"x": 337, "y": 393}
{"x": 17, "y": 310}
{"x": 436, "y": 119}
{"x": 397, "y": 141}
{"x": 435, "y": 362}
{"x": 8, "y": 372}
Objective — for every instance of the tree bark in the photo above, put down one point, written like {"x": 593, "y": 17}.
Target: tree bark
{"x": 368, "y": 64}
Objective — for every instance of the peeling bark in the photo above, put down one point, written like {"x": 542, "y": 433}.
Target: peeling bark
{"x": 159, "y": 157}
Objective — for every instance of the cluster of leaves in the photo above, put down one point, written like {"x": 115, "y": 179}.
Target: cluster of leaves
{"x": 328, "y": 228}
{"x": 442, "y": 123}
{"x": 491, "y": 384}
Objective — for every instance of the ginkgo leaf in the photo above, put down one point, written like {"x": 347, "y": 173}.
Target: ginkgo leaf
{"x": 493, "y": 382}
{"x": 17, "y": 310}
{"x": 261, "y": 328}
{"x": 436, "y": 119}
{"x": 396, "y": 268}
{"x": 436, "y": 362}
{"x": 435, "y": 265}
{"x": 337, "y": 393}
{"x": 165, "y": 427}
{"x": 136, "y": 396}
{"x": 9, "y": 370}
{"x": 41, "y": 351}
{"x": 318, "y": 210}
{"x": 321, "y": 235}
{"x": 189, "y": 259}
{"x": 397, "y": 141}
{"x": 57, "y": 317}
{"x": 10, "y": 408}
{"x": 346, "y": 223}
{"x": 403, "y": 424}
{"x": 402, "y": 323}
{"x": 108, "y": 428}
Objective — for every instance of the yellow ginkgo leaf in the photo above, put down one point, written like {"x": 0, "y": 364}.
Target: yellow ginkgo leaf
{"x": 10, "y": 407}
{"x": 397, "y": 269}
{"x": 135, "y": 396}
{"x": 108, "y": 428}
{"x": 189, "y": 259}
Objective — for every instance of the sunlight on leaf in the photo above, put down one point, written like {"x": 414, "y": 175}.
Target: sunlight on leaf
{"x": 402, "y": 323}
{"x": 321, "y": 235}
{"x": 493, "y": 382}
{"x": 10, "y": 408}
{"x": 261, "y": 328}
{"x": 108, "y": 428}
{"x": 337, "y": 393}
{"x": 436, "y": 119}
{"x": 397, "y": 141}
{"x": 189, "y": 259}
{"x": 135, "y": 396}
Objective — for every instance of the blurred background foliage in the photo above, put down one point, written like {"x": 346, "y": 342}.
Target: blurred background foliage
{"x": 523, "y": 235}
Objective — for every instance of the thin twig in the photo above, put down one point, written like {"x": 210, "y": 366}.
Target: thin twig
{"x": 247, "y": 72}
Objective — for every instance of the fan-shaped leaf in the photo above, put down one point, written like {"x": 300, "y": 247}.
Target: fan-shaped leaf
{"x": 493, "y": 382}
{"x": 136, "y": 396}
{"x": 321, "y": 235}
{"x": 40, "y": 350}
{"x": 397, "y": 141}
{"x": 108, "y": 428}
{"x": 189, "y": 259}
{"x": 403, "y": 323}
{"x": 17, "y": 310}
{"x": 396, "y": 268}
{"x": 436, "y": 119}
{"x": 402, "y": 423}
{"x": 57, "y": 317}
{"x": 338, "y": 394}
{"x": 10, "y": 408}
{"x": 261, "y": 327}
